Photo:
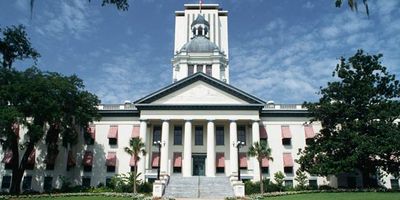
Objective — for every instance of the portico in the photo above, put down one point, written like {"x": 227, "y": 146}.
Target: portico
{"x": 195, "y": 143}
{"x": 208, "y": 120}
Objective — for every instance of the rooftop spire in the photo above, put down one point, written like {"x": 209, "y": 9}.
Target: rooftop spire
{"x": 201, "y": 3}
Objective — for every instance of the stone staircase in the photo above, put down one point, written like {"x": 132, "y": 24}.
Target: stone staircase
{"x": 199, "y": 187}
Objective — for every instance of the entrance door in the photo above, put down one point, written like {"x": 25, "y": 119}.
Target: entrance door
{"x": 199, "y": 165}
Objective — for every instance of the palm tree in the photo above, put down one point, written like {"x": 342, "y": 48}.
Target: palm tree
{"x": 260, "y": 150}
{"x": 136, "y": 146}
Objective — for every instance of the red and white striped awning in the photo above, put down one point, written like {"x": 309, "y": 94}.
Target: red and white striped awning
{"x": 111, "y": 159}
{"x": 265, "y": 162}
{"x": 113, "y": 132}
{"x": 243, "y": 160}
{"x": 263, "y": 132}
{"x": 7, "y": 157}
{"x": 154, "y": 159}
{"x": 177, "y": 159}
{"x": 286, "y": 132}
{"x": 309, "y": 131}
{"x": 220, "y": 159}
{"x": 136, "y": 131}
{"x": 287, "y": 160}
{"x": 88, "y": 158}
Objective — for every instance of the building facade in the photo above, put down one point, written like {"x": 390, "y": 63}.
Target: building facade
{"x": 198, "y": 120}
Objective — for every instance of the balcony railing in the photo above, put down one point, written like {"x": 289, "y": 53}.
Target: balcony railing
{"x": 284, "y": 107}
{"x": 127, "y": 106}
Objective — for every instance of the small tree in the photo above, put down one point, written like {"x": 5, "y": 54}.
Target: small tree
{"x": 136, "y": 147}
{"x": 301, "y": 179}
{"x": 260, "y": 150}
{"x": 279, "y": 178}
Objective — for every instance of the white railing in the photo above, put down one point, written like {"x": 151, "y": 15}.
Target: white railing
{"x": 284, "y": 107}
{"x": 116, "y": 107}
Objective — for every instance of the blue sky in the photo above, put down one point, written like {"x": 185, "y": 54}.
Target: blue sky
{"x": 281, "y": 50}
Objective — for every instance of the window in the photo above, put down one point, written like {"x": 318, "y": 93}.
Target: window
{"x": 241, "y": 134}
{"x": 48, "y": 183}
{"x": 110, "y": 168}
{"x": 26, "y": 183}
{"x": 8, "y": 165}
{"x": 113, "y": 135}
{"x": 394, "y": 183}
{"x": 87, "y": 168}
{"x": 199, "y": 68}
{"x": 209, "y": 70}
{"x": 177, "y": 169}
{"x": 287, "y": 141}
{"x": 289, "y": 183}
{"x": 190, "y": 70}
{"x": 112, "y": 141}
{"x": 108, "y": 182}
{"x": 157, "y": 134}
{"x": 49, "y": 166}
{"x": 198, "y": 135}
{"x": 220, "y": 135}
{"x": 85, "y": 182}
{"x": 220, "y": 170}
{"x": 313, "y": 184}
{"x": 265, "y": 170}
{"x": 6, "y": 182}
{"x": 309, "y": 140}
{"x": 90, "y": 135}
{"x": 178, "y": 135}
{"x": 288, "y": 170}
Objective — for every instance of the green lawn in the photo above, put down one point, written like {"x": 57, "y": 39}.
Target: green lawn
{"x": 83, "y": 198}
{"x": 341, "y": 196}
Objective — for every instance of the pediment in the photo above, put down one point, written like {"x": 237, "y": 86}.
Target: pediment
{"x": 199, "y": 89}
{"x": 200, "y": 93}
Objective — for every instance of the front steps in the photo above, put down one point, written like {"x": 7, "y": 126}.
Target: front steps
{"x": 198, "y": 187}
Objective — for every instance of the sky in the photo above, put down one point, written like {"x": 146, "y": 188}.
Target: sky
{"x": 280, "y": 50}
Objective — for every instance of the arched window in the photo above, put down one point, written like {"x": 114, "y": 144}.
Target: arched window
{"x": 200, "y": 30}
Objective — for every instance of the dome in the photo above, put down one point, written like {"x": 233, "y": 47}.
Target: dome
{"x": 200, "y": 45}
{"x": 200, "y": 20}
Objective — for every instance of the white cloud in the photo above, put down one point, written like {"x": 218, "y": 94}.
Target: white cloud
{"x": 298, "y": 59}
{"x": 308, "y": 5}
{"x": 67, "y": 17}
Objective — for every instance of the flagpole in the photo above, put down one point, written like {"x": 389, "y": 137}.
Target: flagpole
{"x": 200, "y": 2}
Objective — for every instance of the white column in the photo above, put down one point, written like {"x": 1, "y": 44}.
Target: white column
{"x": 187, "y": 150}
{"x": 165, "y": 147}
{"x": 210, "y": 168}
{"x": 255, "y": 138}
{"x": 143, "y": 159}
{"x": 232, "y": 146}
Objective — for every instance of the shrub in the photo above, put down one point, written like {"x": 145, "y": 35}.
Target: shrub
{"x": 279, "y": 179}
{"x": 325, "y": 187}
{"x": 251, "y": 187}
{"x": 301, "y": 179}
{"x": 145, "y": 187}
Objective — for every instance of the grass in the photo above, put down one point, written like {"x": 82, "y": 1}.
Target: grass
{"x": 341, "y": 196}
{"x": 82, "y": 198}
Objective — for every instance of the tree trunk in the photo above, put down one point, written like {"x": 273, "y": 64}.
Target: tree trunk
{"x": 15, "y": 163}
{"x": 261, "y": 178}
{"x": 366, "y": 179}
{"x": 134, "y": 176}
{"x": 19, "y": 172}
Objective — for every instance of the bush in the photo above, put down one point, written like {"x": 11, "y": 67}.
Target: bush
{"x": 325, "y": 187}
{"x": 251, "y": 187}
{"x": 145, "y": 187}
{"x": 254, "y": 187}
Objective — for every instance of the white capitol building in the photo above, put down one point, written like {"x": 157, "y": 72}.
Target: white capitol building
{"x": 198, "y": 119}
